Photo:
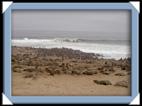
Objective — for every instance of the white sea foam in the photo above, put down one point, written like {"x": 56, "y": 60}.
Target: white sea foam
{"x": 107, "y": 50}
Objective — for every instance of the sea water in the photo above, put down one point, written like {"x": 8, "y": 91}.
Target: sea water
{"x": 108, "y": 48}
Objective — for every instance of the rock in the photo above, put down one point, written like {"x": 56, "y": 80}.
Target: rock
{"x": 74, "y": 61}
{"x": 28, "y": 75}
{"x": 48, "y": 70}
{"x": 41, "y": 68}
{"x": 75, "y": 72}
{"x": 29, "y": 68}
{"x": 57, "y": 71}
{"x": 68, "y": 66}
{"x": 88, "y": 73}
{"x": 95, "y": 72}
{"x": 129, "y": 73}
{"x": 103, "y": 82}
{"x": 88, "y": 61}
{"x": 69, "y": 72}
{"x": 107, "y": 64}
{"x": 120, "y": 74}
{"x": 105, "y": 72}
{"x": 126, "y": 67}
{"x": 123, "y": 68}
{"x": 57, "y": 60}
{"x": 109, "y": 68}
{"x": 18, "y": 66}
{"x": 19, "y": 70}
{"x": 122, "y": 84}
{"x": 100, "y": 68}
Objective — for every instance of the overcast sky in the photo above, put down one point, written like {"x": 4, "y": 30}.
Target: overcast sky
{"x": 115, "y": 22}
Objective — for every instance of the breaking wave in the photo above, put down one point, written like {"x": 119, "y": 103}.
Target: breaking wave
{"x": 108, "y": 50}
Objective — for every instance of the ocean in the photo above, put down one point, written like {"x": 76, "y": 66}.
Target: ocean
{"x": 110, "y": 49}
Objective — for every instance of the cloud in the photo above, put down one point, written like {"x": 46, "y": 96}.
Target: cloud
{"x": 116, "y": 23}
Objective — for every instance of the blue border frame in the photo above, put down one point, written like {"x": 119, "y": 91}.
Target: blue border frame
{"x": 70, "y": 99}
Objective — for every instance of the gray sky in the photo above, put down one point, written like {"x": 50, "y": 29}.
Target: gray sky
{"x": 112, "y": 23}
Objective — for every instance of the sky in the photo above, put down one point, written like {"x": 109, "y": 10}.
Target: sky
{"x": 94, "y": 23}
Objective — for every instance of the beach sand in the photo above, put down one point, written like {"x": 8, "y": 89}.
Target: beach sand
{"x": 67, "y": 72}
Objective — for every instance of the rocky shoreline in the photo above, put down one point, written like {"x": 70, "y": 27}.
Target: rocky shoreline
{"x": 34, "y": 63}
{"x": 64, "y": 61}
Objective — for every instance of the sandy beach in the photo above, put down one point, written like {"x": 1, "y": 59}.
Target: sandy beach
{"x": 47, "y": 72}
